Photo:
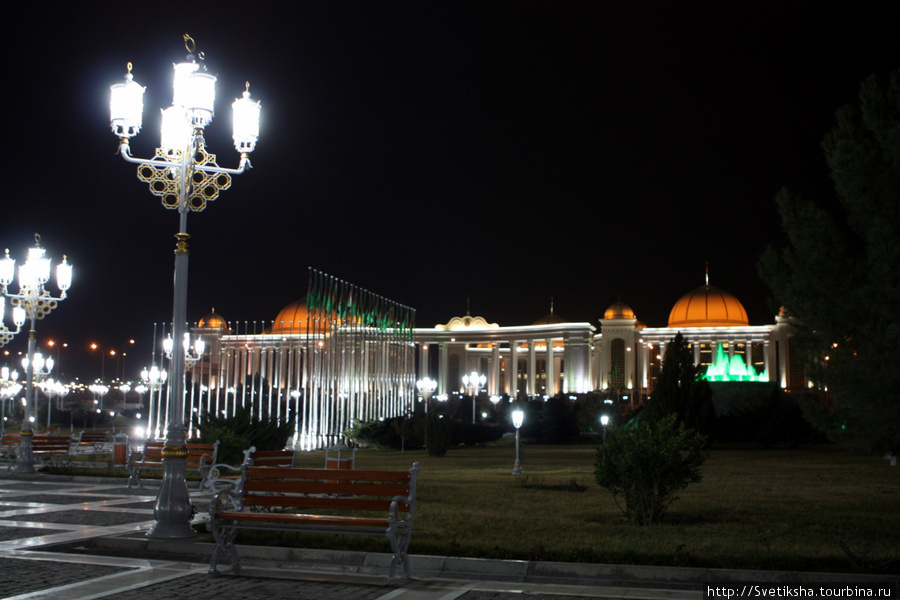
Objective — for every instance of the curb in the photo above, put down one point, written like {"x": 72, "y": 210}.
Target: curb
{"x": 200, "y": 549}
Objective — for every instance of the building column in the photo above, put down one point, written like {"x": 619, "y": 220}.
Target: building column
{"x": 494, "y": 383}
{"x": 443, "y": 368}
{"x": 531, "y": 388}
{"x": 549, "y": 387}
{"x": 513, "y": 375}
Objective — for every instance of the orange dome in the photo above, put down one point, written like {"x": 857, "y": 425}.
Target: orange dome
{"x": 550, "y": 319}
{"x": 708, "y": 306}
{"x": 212, "y": 321}
{"x": 619, "y": 310}
{"x": 292, "y": 320}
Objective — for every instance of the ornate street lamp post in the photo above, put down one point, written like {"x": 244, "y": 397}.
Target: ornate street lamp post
{"x": 473, "y": 381}
{"x": 9, "y": 388}
{"x": 186, "y": 177}
{"x": 32, "y": 303}
{"x": 426, "y": 387}
{"x": 518, "y": 417}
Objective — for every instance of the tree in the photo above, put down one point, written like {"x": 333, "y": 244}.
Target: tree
{"x": 681, "y": 390}
{"x": 647, "y": 464}
{"x": 838, "y": 277}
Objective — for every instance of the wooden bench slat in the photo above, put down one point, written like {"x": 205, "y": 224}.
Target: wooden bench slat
{"x": 297, "y": 473}
{"x": 298, "y": 519}
{"x": 314, "y": 502}
{"x": 324, "y": 487}
{"x": 200, "y": 457}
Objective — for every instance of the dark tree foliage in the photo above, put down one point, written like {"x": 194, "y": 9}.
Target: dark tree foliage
{"x": 238, "y": 432}
{"x": 681, "y": 390}
{"x": 838, "y": 277}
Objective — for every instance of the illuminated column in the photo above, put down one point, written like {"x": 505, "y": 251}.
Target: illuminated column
{"x": 550, "y": 387}
{"x": 443, "y": 368}
{"x": 513, "y": 368}
{"x": 531, "y": 388}
{"x": 494, "y": 386}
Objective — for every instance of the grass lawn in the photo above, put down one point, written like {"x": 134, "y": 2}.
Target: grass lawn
{"x": 816, "y": 508}
{"x": 755, "y": 508}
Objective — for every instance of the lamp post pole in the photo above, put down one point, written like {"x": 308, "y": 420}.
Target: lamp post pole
{"x": 186, "y": 177}
{"x": 475, "y": 382}
{"x": 518, "y": 417}
{"x": 33, "y": 302}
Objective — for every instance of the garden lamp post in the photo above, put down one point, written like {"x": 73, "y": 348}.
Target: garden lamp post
{"x": 426, "y": 387}
{"x": 33, "y": 302}
{"x": 518, "y": 417}
{"x": 186, "y": 177}
{"x": 474, "y": 381}
{"x": 604, "y": 420}
{"x": 9, "y": 388}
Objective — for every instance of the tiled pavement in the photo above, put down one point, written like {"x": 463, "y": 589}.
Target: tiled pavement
{"x": 80, "y": 538}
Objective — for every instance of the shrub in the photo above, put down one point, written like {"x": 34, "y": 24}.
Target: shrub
{"x": 646, "y": 465}
{"x": 437, "y": 435}
{"x": 238, "y": 432}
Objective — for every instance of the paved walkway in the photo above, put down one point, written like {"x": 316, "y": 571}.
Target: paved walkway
{"x": 79, "y": 538}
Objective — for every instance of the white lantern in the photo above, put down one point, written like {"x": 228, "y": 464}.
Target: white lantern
{"x": 518, "y": 417}
{"x": 246, "y": 122}
{"x": 195, "y": 91}
{"x": 7, "y": 269}
{"x": 64, "y": 275}
{"x": 126, "y": 106}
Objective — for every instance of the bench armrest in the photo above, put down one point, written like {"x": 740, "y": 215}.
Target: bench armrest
{"x": 226, "y": 500}
{"x": 217, "y": 475}
{"x": 394, "y": 510}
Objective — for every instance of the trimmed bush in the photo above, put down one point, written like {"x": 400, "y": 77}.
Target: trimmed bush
{"x": 645, "y": 466}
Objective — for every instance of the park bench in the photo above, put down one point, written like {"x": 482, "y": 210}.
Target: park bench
{"x": 52, "y": 448}
{"x": 200, "y": 457}
{"x": 222, "y": 476}
{"x": 339, "y": 501}
{"x": 96, "y": 439}
{"x": 9, "y": 445}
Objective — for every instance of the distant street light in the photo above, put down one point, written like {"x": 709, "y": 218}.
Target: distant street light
{"x": 33, "y": 302}
{"x": 474, "y": 381}
{"x": 518, "y": 417}
{"x": 186, "y": 177}
{"x": 426, "y": 387}
{"x": 9, "y": 388}
{"x": 154, "y": 378}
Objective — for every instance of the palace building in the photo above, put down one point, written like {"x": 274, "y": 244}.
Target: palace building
{"x": 350, "y": 357}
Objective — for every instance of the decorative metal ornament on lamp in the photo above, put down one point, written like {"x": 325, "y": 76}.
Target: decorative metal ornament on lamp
{"x": 185, "y": 176}
{"x": 32, "y": 303}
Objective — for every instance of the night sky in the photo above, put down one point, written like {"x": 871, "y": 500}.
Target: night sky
{"x": 500, "y": 153}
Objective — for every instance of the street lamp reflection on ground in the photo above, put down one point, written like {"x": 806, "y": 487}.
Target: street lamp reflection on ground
{"x": 33, "y": 302}
{"x": 518, "y": 417}
{"x": 185, "y": 176}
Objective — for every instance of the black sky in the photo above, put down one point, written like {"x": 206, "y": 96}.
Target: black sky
{"x": 504, "y": 152}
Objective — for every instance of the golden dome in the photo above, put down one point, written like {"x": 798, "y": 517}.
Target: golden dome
{"x": 292, "y": 320}
{"x": 550, "y": 319}
{"x": 708, "y": 306}
{"x": 213, "y": 321}
{"x": 619, "y": 310}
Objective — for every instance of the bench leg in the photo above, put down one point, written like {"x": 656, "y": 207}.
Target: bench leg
{"x": 135, "y": 477}
{"x": 224, "y": 537}
{"x": 399, "y": 544}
